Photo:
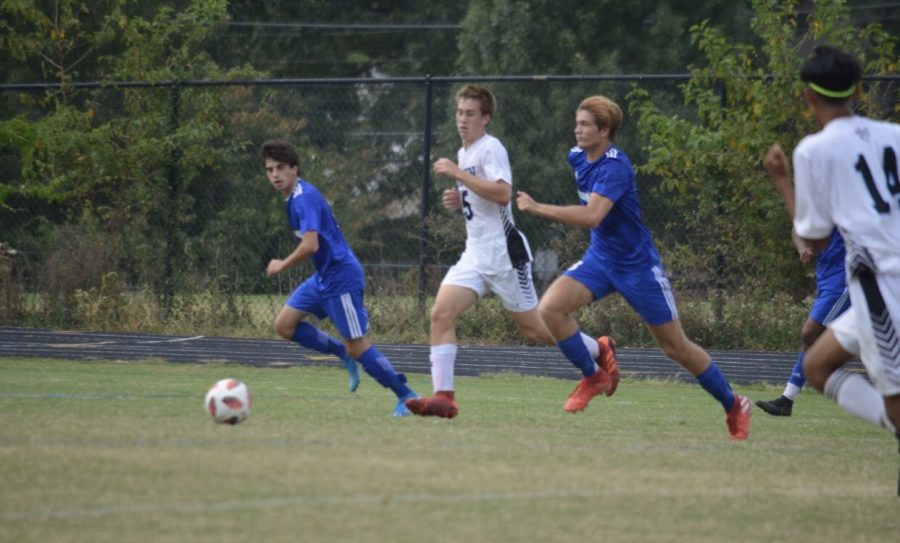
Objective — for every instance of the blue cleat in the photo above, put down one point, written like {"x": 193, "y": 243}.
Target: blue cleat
{"x": 350, "y": 365}
{"x": 400, "y": 410}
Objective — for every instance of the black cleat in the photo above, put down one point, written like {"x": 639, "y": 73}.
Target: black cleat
{"x": 780, "y": 407}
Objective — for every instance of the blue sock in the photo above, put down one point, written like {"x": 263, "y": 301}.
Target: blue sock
{"x": 715, "y": 383}
{"x": 312, "y": 338}
{"x": 573, "y": 348}
{"x": 797, "y": 378}
{"x": 382, "y": 371}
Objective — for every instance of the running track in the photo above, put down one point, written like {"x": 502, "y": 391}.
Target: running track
{"x": 740, "y": 367}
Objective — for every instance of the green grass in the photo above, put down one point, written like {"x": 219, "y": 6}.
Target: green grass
{"x": 114, "y": 451}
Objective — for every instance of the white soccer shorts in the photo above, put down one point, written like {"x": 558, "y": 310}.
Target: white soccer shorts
{"x": 514, "y": 287}
{"x": 870, "y": 329}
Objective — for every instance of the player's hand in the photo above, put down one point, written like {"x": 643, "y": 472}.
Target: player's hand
{"x": 451, "y": 199}
{"x": 275, "y": 267}
{"x": 804, "y": 249}
{"x": 445, "y": 166}
{"x": 776, "y": 162}
{"x": 525, "y": 202}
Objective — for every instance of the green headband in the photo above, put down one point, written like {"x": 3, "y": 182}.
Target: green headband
{"x": 832, "y": 94}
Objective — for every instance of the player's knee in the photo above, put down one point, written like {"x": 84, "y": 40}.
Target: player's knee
{"x": 547, "y": 314}
{"x": 815, "y": 375}
{"x": 356, "y": 347}
{"x": 283, "y": 329}
{"x": 441, "y": 317}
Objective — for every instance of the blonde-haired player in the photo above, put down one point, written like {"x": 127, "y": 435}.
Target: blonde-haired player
{"x": 621, "y": 257}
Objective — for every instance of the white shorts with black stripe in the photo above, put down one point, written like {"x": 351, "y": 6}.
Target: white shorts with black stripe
{"x": 514, "y": 287}
{"x": 870, "y": 329}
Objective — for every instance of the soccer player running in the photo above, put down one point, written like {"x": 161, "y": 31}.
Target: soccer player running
{"x": 621, "y": 257}
{"x": 336, "y": 288}
{"x": 845, "y": 176}
{"x": 832, "y": 297}
{"x": 496, "y": 258}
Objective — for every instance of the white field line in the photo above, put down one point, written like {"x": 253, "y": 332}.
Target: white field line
{"x": 171, "y": 340}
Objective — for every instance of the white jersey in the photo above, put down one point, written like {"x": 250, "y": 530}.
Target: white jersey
{"x": 846, "y": 176}
{"x": 493, "y": 243}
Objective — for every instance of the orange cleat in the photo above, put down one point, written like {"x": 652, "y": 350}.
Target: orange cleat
{"x": 738, "y": 419}
{"x": 587, "y": 388}
{"x": 442, "y": 404}
{"x": 607, "y": 361}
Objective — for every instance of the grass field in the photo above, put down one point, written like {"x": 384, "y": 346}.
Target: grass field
{"x": 111, "y": 451}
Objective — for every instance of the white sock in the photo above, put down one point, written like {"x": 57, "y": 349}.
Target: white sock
{"x": 856, "y": 395}
{"x": 442, "y": 359}
{"x": 591, "y": 344}
{"x": 791, "y": 391}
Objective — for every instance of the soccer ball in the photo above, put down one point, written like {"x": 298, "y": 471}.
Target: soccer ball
{"x": 229, "y": 401}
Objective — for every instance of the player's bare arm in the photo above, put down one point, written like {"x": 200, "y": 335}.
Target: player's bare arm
{"x": 779, "y": 170}
{"x": 308, "y": 246}
{"x": 587, "y": 216}
{"x": 497, "y": 191}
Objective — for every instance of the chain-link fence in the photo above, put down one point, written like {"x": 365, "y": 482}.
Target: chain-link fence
{"x": 136, "y": 206}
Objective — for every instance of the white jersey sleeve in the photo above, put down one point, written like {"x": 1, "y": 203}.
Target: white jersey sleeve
{"x": 812, "y": 213}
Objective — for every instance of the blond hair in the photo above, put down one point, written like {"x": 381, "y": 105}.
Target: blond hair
{"x": 606, "y": 113}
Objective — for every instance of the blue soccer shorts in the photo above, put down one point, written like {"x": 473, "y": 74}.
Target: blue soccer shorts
{"x": 346, "y": 310}
{"x": 831, "y": 300}
{"x": 646, "y": 289}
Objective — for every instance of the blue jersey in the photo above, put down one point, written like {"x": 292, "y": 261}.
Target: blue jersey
{"x": 621, "y": 239}
{"x": 337, "y": 269}
{"x": 830, "y": 263}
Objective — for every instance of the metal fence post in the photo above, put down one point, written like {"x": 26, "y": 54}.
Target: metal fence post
{"x": 718, "y": 308}
{"x": 171, "y": 213}
{"x": 426, "y": 195}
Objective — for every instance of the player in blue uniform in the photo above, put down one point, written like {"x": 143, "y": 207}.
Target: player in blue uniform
{"x": 335, "y": 290}
{"x": 621, "y": 258}
{"x": 832, "y": 298}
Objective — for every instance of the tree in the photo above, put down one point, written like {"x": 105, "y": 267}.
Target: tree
{"x": 128, "y": 168}
{"x": 740, "y": 100}
{"x": 359, "y": 38}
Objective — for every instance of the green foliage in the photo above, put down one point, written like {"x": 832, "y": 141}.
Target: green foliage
{"x": 62, "y": 39}
{"x": 565, "y": 37}
{"x": 139, "y": 162}
{"x": 170, "y": 44}
{"x": 327, "y": 40}
{"x": 741, "y": 100}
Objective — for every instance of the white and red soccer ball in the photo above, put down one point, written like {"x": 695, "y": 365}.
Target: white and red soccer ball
{"x": 229, "y": 401}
